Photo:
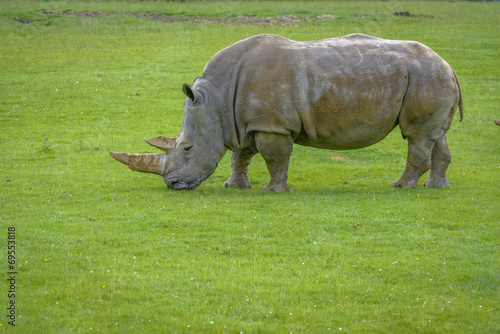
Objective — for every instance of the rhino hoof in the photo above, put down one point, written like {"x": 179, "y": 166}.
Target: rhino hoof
{"x": 279, "y": 188}
{"x": 403, "y": 184}
{"x": 240, "y": 185}
{"x": 436, "y": 184}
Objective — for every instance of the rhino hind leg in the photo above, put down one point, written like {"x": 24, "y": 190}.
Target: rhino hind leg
{"x": 239, "y": 165}
{"x": 440, "y": 160}
{"x": 276, "y": 150}
{"x": 417, "y": 163}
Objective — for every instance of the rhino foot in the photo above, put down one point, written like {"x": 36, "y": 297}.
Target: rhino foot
{"x": 405, "y": 184}
{"x": 276, "y": 188}
{"x": 240, "y": 184}
{"x": 440, "y": 183}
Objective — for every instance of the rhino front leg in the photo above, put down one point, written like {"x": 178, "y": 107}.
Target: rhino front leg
{"x": 417, "y": 163}
{"x": 276, "y": 150}
{"x": 239, "y": 165}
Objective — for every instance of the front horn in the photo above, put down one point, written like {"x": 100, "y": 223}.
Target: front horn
{"x": 147, "y": 163}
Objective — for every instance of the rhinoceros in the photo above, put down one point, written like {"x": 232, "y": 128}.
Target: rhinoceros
{"x": 266, "y": 92}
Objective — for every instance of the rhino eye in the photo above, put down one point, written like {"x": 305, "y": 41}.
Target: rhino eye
{"x": 188, "y": 149}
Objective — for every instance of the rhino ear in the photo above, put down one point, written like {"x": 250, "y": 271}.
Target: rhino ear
{"x": 163, "y": 143}
{"x": 194, "y": 96}
{"x": 188, "y": 91}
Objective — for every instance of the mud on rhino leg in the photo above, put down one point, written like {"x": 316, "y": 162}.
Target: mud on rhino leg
{"x": 239, "y": 165}
{"x": 418, "y": 162}
{"x": 276, "y": 150}
{"x": 440, "y": 160}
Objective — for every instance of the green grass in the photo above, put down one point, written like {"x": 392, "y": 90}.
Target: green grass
{"x": 101, "y": 249}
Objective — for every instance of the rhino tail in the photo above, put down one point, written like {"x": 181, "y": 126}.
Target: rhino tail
{"x": 460, "y": 103}
{"x": 146, "y": 163}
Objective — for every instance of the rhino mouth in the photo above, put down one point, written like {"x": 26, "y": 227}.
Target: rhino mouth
{"x": 176, "y": 181}
{"x": 177, "y": 184}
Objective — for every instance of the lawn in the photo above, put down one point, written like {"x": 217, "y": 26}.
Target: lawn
{"x": 101, "y": 249}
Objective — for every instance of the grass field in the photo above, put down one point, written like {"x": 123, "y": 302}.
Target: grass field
{"x": 101, "y": 249}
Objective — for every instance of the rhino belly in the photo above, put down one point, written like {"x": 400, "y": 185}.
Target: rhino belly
{"x": 346, "y": 139}
{"x": 337, "y": 123}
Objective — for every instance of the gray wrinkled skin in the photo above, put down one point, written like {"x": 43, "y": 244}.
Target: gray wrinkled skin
{"x": 265, "y": 93}
{"x": 200, "y": 144}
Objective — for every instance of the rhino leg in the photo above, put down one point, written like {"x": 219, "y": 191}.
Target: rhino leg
{"x": 440, "y": 160}
{"x": 276, "y": 150}
{"x": 417, "y": 163}
{"x": 239, "y": 165}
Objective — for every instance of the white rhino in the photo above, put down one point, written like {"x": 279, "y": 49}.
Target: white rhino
{"x": 265, "y": 93}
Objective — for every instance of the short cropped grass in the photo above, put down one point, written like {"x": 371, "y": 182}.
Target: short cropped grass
{"x": 102, "y": 249}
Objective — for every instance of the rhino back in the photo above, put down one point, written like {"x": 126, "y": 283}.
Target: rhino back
{"x": 339, "y": 93}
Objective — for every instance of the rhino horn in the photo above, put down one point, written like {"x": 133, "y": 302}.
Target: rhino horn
{"x": 147, "y": 163}
{"x": 163, "y": 143}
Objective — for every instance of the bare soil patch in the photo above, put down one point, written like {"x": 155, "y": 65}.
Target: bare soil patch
{"x": 23, "y": 21}
{"x": 338, "y": 157}
{"x": 79, "y": 13}
{"x": 242, "y": 19}
{"x": 360, "y": 15}
{"x": 286, "y": 19}
{"x": 408, "y": 14}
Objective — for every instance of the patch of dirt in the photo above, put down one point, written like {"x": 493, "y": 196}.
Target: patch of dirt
{"x": 23, "y": 21}
{"x": 325, "y": 17}
{"x": 408, "y": 14}
{"x": 286, "y": 19}
{"x": 79, "y": 13}
{"x": 242, "y": 19}
{"x": 337, "y": 158}
{"x": 360, "y": 15}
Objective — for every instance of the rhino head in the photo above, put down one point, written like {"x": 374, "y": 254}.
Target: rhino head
{"x": 193, "y": 155}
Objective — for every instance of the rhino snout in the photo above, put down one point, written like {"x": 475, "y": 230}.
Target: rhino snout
{"x": 177, "y": 184}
